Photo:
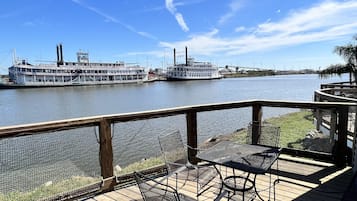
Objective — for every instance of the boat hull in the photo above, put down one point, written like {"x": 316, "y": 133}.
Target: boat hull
{"x": 188, "y": 78}
{"x": 19, "y": 86}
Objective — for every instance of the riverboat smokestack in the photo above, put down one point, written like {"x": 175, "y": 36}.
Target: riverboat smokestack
{"x": 60, "y": 47}
{"x": 59, "y": 55}
{"x": 174, "y": 57}
{"x": 186, "y": 56}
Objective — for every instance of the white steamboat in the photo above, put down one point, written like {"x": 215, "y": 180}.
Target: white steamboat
{"x": 81, "y": 72}
{"x": 192, "y": 70}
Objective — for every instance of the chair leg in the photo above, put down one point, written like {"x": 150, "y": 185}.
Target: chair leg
{"x": 277, "y": 168}
{"x": 276, "y": 181}
{"x": 269, "y": 182}
{"x": 274, "y": 191}
{"x": 197, "y": 183}
{"x": 176, "y": 178}
{"x": 235, "y": 184}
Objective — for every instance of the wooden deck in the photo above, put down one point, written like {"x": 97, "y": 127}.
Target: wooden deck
{"x": 300, "y": 180}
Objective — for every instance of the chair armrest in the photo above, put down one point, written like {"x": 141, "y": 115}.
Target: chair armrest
{"x": 206, "y": 164}
{"x": 193, "y": 148}
{"x": 162, "y": 190}
{"x": 162, "y": 186}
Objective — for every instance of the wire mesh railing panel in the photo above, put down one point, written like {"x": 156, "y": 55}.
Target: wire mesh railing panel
{"x": 221, "y": 123}
{"x": 351, "y": 119}
{"x": 48, "y": 163}
{"x": 298, "y": 131}
{"x": 136, "y": 145}
{"x": 232, "y": 124}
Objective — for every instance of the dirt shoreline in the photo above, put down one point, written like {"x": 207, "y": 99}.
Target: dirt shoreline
{"x": 313, "y": 141}
{"x": 219, "y": 138}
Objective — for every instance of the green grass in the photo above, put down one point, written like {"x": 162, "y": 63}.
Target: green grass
{"x": 293, "y": 128}
{"x": 74, "y": 183}
{"x": 50, "y": 190}
{"x": 141, "y": 165}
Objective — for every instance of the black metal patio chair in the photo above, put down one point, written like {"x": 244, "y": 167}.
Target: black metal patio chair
{"x": 152, "y": 190}
{"x": 268, "y": 135}
{"x": 177, "y": 164}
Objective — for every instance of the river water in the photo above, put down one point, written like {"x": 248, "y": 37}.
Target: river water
{"x": 77, "y": 151}
{"x": 44, "y": 104}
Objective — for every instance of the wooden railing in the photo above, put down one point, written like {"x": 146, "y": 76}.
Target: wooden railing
{"x": 334, "y": 95}
{"x": 338, "y": 85}
{"x": 104, "y": 123}
{"x": 339, "y": 92}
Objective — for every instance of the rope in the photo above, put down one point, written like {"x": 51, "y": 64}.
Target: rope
{"x": 134, "y": 136}
{"x": 113, "y": 130}
{"x": 96, "y": 135}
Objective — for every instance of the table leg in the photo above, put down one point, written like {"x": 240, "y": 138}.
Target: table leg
{"x": 255, "y": 188}
{"x": 221, "y": 188}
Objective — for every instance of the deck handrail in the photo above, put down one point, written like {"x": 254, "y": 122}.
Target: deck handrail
{"x": 329, "y": 94}
{"x": 37, "y": 128}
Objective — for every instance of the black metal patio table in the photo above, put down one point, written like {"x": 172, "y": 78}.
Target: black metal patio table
{"x": 252, "y": 159}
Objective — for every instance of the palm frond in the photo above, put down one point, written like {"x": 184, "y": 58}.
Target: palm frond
{"x": 336, "y": 69}
{"x": 348, "y": 52}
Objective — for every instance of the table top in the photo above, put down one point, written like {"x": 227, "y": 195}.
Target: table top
{"x": 255, "y": 159}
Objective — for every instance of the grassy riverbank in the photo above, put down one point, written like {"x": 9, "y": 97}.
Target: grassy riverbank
{"x": 47, "y": 190}
{"x": 266, "y": 73}
{"x": 294, "y": 127}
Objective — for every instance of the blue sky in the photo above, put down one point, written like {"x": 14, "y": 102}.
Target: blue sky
{"x": 276, "y": 34}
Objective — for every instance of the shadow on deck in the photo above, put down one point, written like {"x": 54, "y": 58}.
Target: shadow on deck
{"x": 300, "y": 179}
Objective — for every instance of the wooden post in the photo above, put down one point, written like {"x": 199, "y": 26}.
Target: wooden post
{"x": 256, "y": 122}
{"x": 191, "y": 123}
{"x": 106, "y": 154}
{"x": 333, "y": 123}
{"x": 318, "y": 114}
{"x": 340, "y": 150}
{"x": 354, "y": 145}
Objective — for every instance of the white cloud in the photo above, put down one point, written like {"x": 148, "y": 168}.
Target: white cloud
{"x": 150, "y": 53}
{"x": 9, "y": 15}
{"x": 234, "y": 6}
{"x": 323, "y": 16}
{"x": 108, "y": 18}
{"x": 328, "y": 20}
{"x": 147, "y": 35}
{"x": 29, "y": 24}
{"x": 170, "y": 6}
{"x": 240, "y": 29}
{"x": 181, "y": 22}
{"x": 33, "y": 23}
{"x": 205, "y": 43}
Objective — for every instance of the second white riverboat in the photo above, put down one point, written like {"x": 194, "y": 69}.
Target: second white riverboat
{"x": 192, "y": 70}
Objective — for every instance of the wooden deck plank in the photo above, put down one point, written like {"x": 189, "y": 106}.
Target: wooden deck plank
{"x": 300, "y": 181}
{"x": 103, "y": 197}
